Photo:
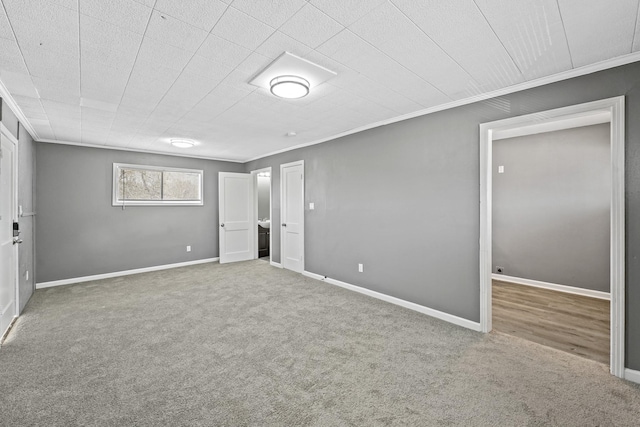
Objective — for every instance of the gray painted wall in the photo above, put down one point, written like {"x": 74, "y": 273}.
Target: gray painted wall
{"x": 403, "y": 199}
{"x": 26, "y": 199}
{"x": 263, "y": 197}
{"x": 8, "y": 119}
{"x": 81, "y": 234}
{"x": 551, "y": 207}
{"x": 26, "y": 168}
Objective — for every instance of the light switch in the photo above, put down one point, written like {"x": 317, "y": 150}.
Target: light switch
{"x": 312, "y": 206}
{"x": 500, "y": 169}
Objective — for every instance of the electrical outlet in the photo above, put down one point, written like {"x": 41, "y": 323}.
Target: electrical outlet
{"x": 360, "y": 268}
{"x": 188, "y": 248}
{"x": 499, "y": 269}
{"x": 26, "y": 275}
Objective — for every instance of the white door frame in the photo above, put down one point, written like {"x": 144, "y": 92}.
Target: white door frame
{"x": 282, "y": 201}
{"x": 13, "y": 140}
{"x": 614, "y": 107}
{"x": 255, "y": 203}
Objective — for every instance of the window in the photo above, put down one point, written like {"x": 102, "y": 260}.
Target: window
{"x": 152, "y": 185}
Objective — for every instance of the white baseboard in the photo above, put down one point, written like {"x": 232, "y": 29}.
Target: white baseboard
{"x": 631, "y": 375}
{"x": 475, "y": 326}
{"x": 553, "y": 286}
{"x": 275, "y": 264}
{"x": 313, "y": 275}
{"x": 122, "y": 273}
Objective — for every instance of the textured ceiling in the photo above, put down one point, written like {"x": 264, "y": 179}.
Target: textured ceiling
{"x": 132, "y": 74}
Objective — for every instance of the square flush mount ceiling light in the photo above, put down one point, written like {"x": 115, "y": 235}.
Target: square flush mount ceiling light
{"x": 290, "y": 76}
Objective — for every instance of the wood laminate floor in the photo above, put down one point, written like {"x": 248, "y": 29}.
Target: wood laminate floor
{"x": 567, "y": 322}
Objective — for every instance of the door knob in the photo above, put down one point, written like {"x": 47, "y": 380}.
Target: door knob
{"x": 222, "y": 225}
{"x": 17, "y": 241}
{"x": 284, "y": 225}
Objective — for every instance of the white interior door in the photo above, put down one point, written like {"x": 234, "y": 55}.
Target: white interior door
{"x": 292, "y": 230}
{"x": 235, "y": 203}
{"x": 8, "y": 252}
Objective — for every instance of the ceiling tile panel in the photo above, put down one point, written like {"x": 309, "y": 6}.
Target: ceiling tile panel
{"x": 66, "y": 112}
{"x": 41, "y": 23}
{"x": 221, "y": 50}
{"x": 96, "y": 119}
{"x": 31, "y": 107}
{"x": 254, "y": 63}
{"x": 311, "y": 26}
{"x": 597, "y": 31}
{"x": 272, "y": 12}
{"x": 69, "y": 4}
{"x": 532, "y": 32}
{"x": 5, "y": 27}
{"x": 174, "y": 32}
{"x": 382, "y": 69}
{"x": 64, "y": 91}
{"x": 141, "y": 99}
{"x": 206, "y": 68}
{"x": 395, "y": 35}
{"x": 636, "y": 38}
{"x": 346, "y": 11}
{"x": 108, "y": 44}
{"x": 67, "y": 134}
{"x": 11, "y": 57}
{"x": 18, "y": 83}
{"x": 158, "y": 54}
{"x": 98, "y": 78}
{"x": 461, "y": 30}
{"x": 239, "y": 80}
{"x": 347, "y": 48}
{"x": 367, "y": 88}
{"x": 93, "y": 137}
{"x": 52, "y": 65}
{"x": 200, "y": 13}
{"x": 188, "y": 90}
{"x": 127, "y": 14}
{"x": 242, "y": 29}
{"x": 279, "y": 42}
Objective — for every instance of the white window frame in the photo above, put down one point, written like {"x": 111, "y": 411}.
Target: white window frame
{"x": 115, "y": 201}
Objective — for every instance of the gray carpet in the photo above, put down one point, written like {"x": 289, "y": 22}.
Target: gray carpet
{"x": 249, "y": 344}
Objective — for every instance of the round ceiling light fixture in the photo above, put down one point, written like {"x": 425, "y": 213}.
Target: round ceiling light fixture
{"x": 182, "y": 143}
{"x": 290, "y": 87}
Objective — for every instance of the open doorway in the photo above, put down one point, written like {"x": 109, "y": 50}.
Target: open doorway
{"x": 610, "y": 112}
{"x": 262, "y": 214}
{"x": 550, "y": 237}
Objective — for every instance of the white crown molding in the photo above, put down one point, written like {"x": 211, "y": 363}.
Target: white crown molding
{"x": 13, "y": 106}
{"x": 136, "y": 150}
{"x": 121, "y": 273}
{"x": 565, "y": 75}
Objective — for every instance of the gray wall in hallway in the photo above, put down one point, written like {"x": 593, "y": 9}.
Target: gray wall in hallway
{"x": 263, "y": 196}
{"x": 81, "y": 234}
{"x": 403, "y": 199}
{"x": 9, "y": 120}
{"x": 26, "y": 199}
{"x": 26, "y": 168}
{"x": 551, "y": 206}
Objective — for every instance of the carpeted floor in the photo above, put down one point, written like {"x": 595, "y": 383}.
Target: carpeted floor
{"x": 250, "y": 344}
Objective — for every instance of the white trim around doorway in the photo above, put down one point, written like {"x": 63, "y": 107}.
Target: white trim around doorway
{"x": 614, "y": 108}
